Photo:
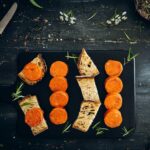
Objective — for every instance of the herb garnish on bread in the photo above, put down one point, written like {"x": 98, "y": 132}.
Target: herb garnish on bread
{"x": 30, "y": 103}
{"x": 34, "y": 71}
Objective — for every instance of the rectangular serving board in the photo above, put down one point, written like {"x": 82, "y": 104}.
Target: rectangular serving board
{"x": 75, "y": 97}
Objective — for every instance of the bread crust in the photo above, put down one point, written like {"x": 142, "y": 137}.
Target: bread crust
{"x": 41, "y": 63}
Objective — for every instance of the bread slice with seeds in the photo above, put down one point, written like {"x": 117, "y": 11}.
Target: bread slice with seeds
{"x": 86, "y": 65}
{"x": 88, "y": 88}
{"x": 40, "y": 62}
{"x": 86, "y": 116}
{"x": 28, "y": 103}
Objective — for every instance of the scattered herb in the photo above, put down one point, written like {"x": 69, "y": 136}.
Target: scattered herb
{"x": 129, "y": 39}
{"x": 67, "y": 17}
{"x": 127, "y": 36}
{"x": 130, "y": 56}
{"x": 117, "y": 18}
{"x": 34, "y": 3}
{"x": 126, "y": 131}
{"x": 66, "y": 128}
{"x": 18, "y": 94}
{"x": 94, "y": 126}
{"x": 73, "y": 56}
{"x": 92, "y": 16}
{"x": 99, "y": 130}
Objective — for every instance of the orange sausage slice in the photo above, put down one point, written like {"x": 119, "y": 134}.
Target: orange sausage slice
{"x": 113, "y": 118}
{"x": 58, "y": 116}
{"x": 58, "y": 84}
{"x": 33, "y": 117}
{"x": 113, "y": 85}
{"x": 59, "y": 68}
{"x": 59, "y": 99}
{"x": 113, "y": 68}
{"x": 113, "y": 100}
{"x": 32, "y": 72}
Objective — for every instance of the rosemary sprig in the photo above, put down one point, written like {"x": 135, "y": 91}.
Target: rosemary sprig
{"x": 92, "y": 16}
{"x": 126, "y": 131}
{"x": 18, "y": 94}
{"x": 130, "y": 57}
{"x": 99, "y": 130}
{"x": 66, "y": 128}
{"x": 34, "y": 3}
{"x": 73, "y": 56}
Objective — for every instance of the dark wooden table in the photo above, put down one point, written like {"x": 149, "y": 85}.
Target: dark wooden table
{"x": 33, "y": 28}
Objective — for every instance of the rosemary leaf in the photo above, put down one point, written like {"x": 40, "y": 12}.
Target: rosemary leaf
{"x": 127, "y": 36}
{"x": 102, "y": 129}
{"x": 34, "y": 3}
{"x": 126, "y": 131}
{"x": 129, "y": 54}
{"x": 100, "y": 133}
{"x": 92, "y": 16}
{"x": 73, "y": 56}
{"x": 26, "y": 104}
{"x": 66, "y": 128}
{"x": 96, "y": 125}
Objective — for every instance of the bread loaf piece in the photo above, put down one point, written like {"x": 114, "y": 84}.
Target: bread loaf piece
{"x": 86, "y": 65}
{"x": 30, "y": 102}
{"x": 41, "y": 64}
{"x": 88, "y": 111}
{"x": 88, "y": 88}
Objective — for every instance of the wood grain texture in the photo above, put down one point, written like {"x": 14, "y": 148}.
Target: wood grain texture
{"x": 34, "y": 28}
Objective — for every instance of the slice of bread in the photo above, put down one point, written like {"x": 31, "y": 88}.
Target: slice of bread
{"x": 30, "y": 102}
{"x": 42, "y": 65}
{"x": 88, "y": 88}
{"x": 87, "y": 114}
{"x": 86, "y": 65}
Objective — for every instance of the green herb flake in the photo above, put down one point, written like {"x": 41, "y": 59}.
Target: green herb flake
{"x": 92, "y": 16}
{"x": 66, "y": 128}
{"x": 127, "y": 131}
{"x": 73, "y": 56}
{"x": 34, "y": 3}
{"x": 26, "y": 104}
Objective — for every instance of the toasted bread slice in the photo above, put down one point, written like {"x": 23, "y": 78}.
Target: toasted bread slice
{"x": 88, "y": 88}
{"x": 42, "y": 65}
{"x": 86, "y": 65}
{"x": 87, "y": 114}
{"x": 30, "y": 102}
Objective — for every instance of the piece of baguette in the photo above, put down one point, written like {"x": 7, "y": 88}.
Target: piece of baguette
{"x": 86, "y": 65}
{"x": 30, "y": 102}
{"x": 87, "y": 114}
{"x": 42, "y": 65}
{"x": 88, "y": 88}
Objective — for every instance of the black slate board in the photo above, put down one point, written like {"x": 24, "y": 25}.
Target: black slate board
{"x": 43, "y": 92}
